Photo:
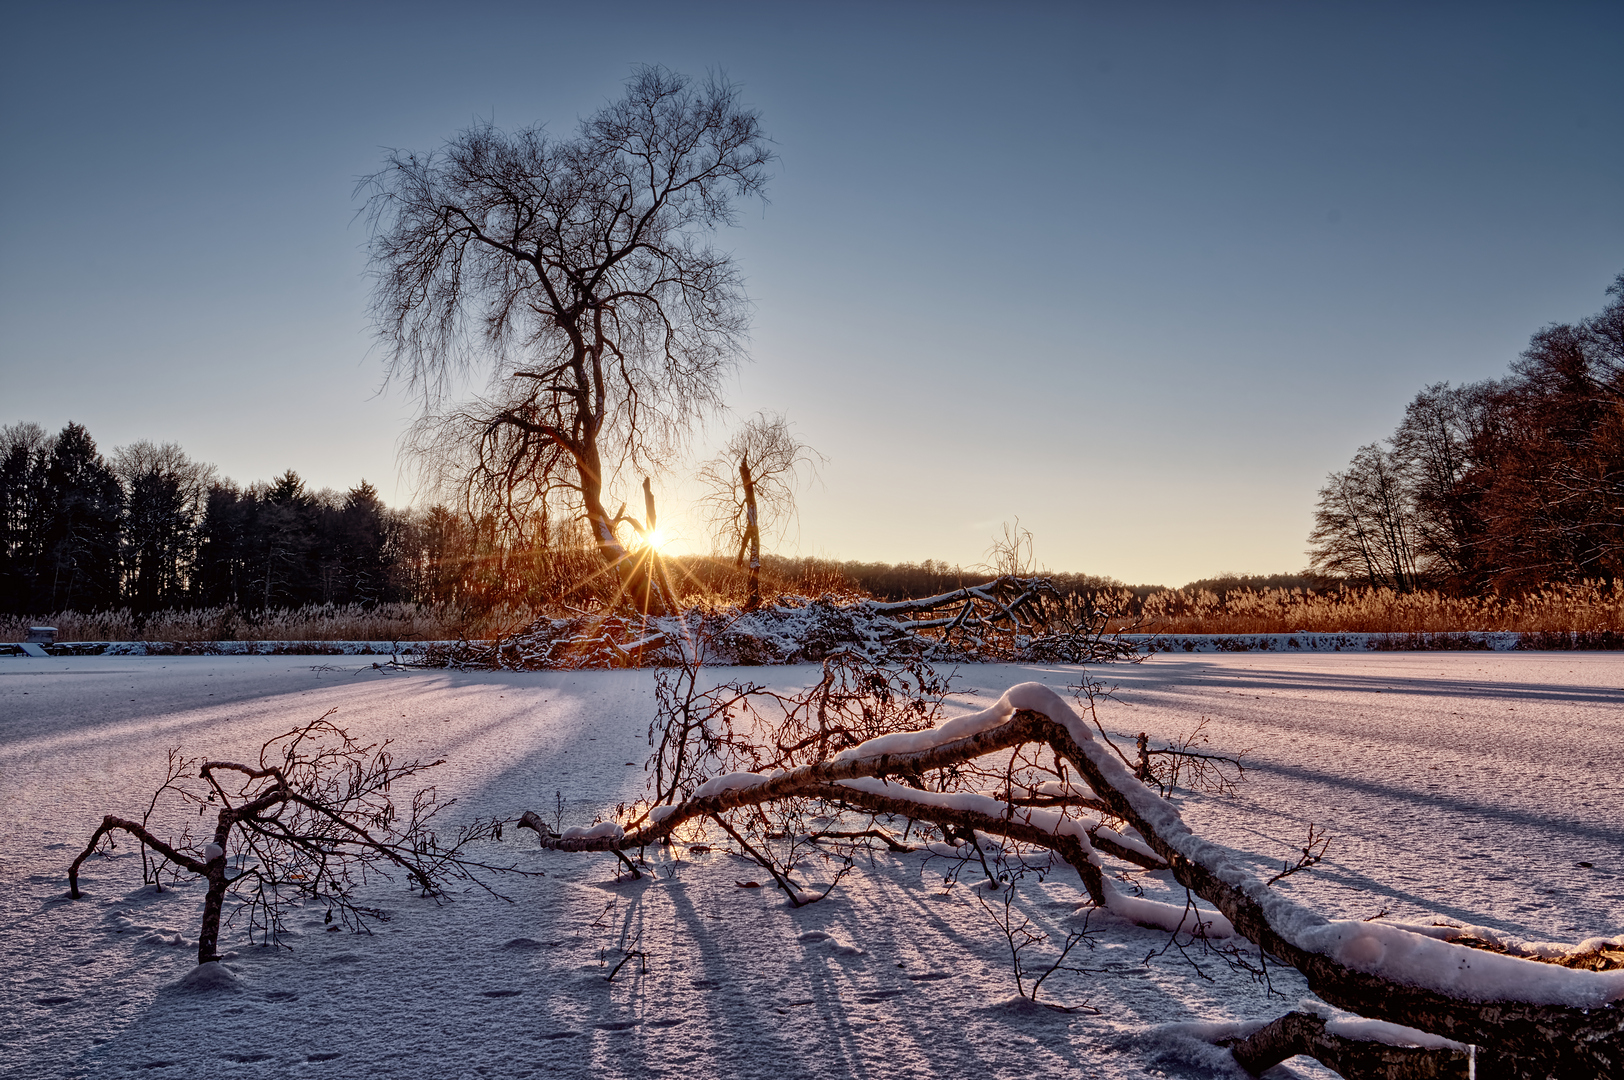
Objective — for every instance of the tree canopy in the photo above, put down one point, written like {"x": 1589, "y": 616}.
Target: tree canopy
{"x": 578, "y": 277}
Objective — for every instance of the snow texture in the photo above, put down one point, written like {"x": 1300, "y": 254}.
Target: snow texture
{"x": 1475, "y": 789}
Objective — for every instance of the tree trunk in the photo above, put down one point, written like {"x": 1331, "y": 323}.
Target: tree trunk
{"x": 656, "y": 567}
{"x": 637, "y": 586}
{"x": 1304, "y": 1033}
{"x": 752, "y": 537}
{"x": 208, "y": 936}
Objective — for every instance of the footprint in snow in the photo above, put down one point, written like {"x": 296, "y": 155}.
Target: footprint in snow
{"x": 813, "y": 935}
{"x": 48, "y": 1002}
{"x": 670, "y": 1021}
{"x": 501, "y": 993}
{"x": 560, "y": 1035}
{"x": 617, "y": 1025}
{"x": 323, "y": 1057}
{"x": 930, "y": 976}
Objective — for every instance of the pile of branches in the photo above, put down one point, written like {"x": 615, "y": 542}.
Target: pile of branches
{"x": 861, "y": 753}
{"x": 1008, "y": 619}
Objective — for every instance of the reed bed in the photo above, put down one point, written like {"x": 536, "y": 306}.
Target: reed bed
{"x": 1594, "y": 608}
{"x": 326, "y": 622}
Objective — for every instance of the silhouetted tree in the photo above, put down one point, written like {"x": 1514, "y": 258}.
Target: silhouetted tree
{"x": 25, "y": 450}
{"x": 750, "y": 487}
{"x": 1364, "y": 526}
{"x": 1503, "y": 485}
{"x": 164, "y": 499}
{"x": 578, "y": 274}
{"x": 83, "y": 505}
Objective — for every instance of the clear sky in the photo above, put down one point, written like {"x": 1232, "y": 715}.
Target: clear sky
{"x": 1140, "y": 275}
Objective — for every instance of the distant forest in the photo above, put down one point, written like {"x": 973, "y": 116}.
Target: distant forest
{"x": 149, "y": 530}
{"x": 1501, "y": 486}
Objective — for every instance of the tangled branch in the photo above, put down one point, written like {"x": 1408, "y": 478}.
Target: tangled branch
{"x": 311, "y": 822}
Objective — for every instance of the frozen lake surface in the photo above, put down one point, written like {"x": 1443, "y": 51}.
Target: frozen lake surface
{"x": 1469, "y": 787}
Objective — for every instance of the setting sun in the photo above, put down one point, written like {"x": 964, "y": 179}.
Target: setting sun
{"x": 656, "y": 539}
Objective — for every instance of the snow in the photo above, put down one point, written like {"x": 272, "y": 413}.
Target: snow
{"x": 1423, "y": 960}
{"x": 1187, "y": 917}
{"x": 1467, "y": 788}
{"x": 1367, "y": 1030}
{"x": 602, "y": 830}
{"x": 729, "y": 782}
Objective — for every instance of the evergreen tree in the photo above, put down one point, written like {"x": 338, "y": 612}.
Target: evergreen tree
{"x": 79, "y": 567}
{"x": 25, "y": 450}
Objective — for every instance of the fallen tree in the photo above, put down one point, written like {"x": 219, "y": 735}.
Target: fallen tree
{"x": 1435, "y": 1001}
{"x": 308, "y": 823}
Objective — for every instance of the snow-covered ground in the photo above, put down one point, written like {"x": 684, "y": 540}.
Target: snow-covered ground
{"x": 1473, "y": 787}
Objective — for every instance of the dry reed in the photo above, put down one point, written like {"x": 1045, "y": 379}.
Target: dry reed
{"x": 327, "y": 622}
{"x": 1588, "y": 607}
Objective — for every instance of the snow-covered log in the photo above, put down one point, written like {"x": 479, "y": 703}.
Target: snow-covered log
{"x": 1524, "y": 1016}
{"x": 1356, "y": 1047}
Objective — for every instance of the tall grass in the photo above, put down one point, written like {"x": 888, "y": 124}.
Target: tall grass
{"x": 326, "y": 622}
{"x": 711, "y": 580}
{"x": 698, "y": 580}
{"x": 1589, "y": 607}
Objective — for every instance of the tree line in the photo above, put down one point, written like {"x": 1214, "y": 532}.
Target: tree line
{"x": 150, "y": 529}
{"x": 1496, "y": 486}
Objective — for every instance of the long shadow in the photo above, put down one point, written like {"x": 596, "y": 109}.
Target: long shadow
{"x": 1434, "y": 802}
{"x": 1330, "y": 682}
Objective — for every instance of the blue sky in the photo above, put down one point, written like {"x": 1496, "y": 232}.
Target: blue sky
{"x": 1139, "y": 275}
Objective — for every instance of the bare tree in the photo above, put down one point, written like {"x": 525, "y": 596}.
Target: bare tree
{"x": 751, "y": 485}
{"x": 1365, "y": 525}
{"x": 578, "y": 276}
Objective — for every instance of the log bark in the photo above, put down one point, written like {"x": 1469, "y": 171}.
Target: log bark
{"x": 1304, "y": 1033}
{"x": 751, "y": 540}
